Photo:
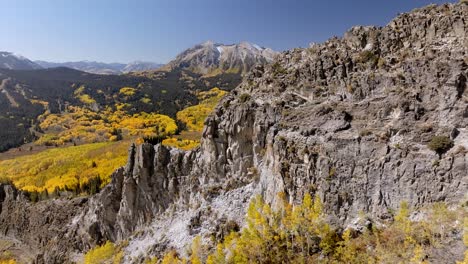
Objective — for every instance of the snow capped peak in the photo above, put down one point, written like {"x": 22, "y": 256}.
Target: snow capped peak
{"x": 6, "y": 54}
{"x": 13, "y": 55}
{"x": 237, "y": 57}
{"x": 19, "y": 57}
{"x": 208, "y": 43}
{"x": 257, "y": 47}
{"x": 135, "y": 63}
{"x": 252, "y": 47}
{"x": 140, "y": 62}
{"x": 13, "y": 61}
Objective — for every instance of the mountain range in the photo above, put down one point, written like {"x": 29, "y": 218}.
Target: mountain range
{"x": 102, "y": 68}
{"x": 12, "y": 61}
{"x": 208, "y": 58}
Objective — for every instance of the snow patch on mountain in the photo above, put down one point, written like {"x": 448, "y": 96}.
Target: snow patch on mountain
{"x": 13, "y": 61}
{"x": 257, "y": 47}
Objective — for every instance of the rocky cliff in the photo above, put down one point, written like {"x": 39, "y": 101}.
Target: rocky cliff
{"x": 350, "y": 120}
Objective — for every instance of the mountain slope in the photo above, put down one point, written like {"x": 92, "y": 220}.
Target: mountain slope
{"x": 12, "y": 61}
{"x": 27, "y": 94}
{"x": 210, "y": 57}
{"x": 356, "y": 121}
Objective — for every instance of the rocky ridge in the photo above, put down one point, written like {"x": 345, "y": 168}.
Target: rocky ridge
{"x": 349, "y": 120}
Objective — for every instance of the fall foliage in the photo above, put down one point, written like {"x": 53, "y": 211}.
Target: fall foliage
{"x": 106, "y": 253}
{"x": 194, "y": 116}
{"x": 81, "y": 125}
{"x": 300, "y": 234}
{"x": 71, "y": 168}
{"x": 65, "y": 168}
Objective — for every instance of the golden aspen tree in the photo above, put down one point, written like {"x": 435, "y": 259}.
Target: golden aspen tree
{"x": 100, "y": 254}
{"x": 171, "y": 258}
{"x": 465, "y": 240}
{"x": 10, "y": 261}
{"x": 418, "y": 255}
{"x": 403, "y": 222}
{"x": 153, "y": 260}
{"x": 218, "y": 257}
{"x": 251, "y": 243}
{"x": 195, "y": 257}
{"x": 287, "y": 223}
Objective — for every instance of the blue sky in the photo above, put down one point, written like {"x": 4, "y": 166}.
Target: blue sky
{"x": 157, "y": 30}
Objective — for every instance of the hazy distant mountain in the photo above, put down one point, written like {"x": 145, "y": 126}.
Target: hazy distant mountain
{"x": 86, "y": 66}
{"x": 13, "y": 61}
{"x": 102, "y": 68}
{"x": 211, "y": 57}
{"x": 140, "y": 66}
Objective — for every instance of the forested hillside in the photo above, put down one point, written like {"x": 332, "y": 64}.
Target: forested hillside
{"x": 26, "y": 95}
{"x": 77, "y": 150}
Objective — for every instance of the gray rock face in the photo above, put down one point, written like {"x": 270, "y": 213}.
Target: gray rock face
{"x": 39, "y": 232}
{"x": 349, "y": 120}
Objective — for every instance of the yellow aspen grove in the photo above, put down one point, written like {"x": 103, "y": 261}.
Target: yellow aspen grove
{"x": 298, "y": 233}
{"x": 274, "y": 236}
